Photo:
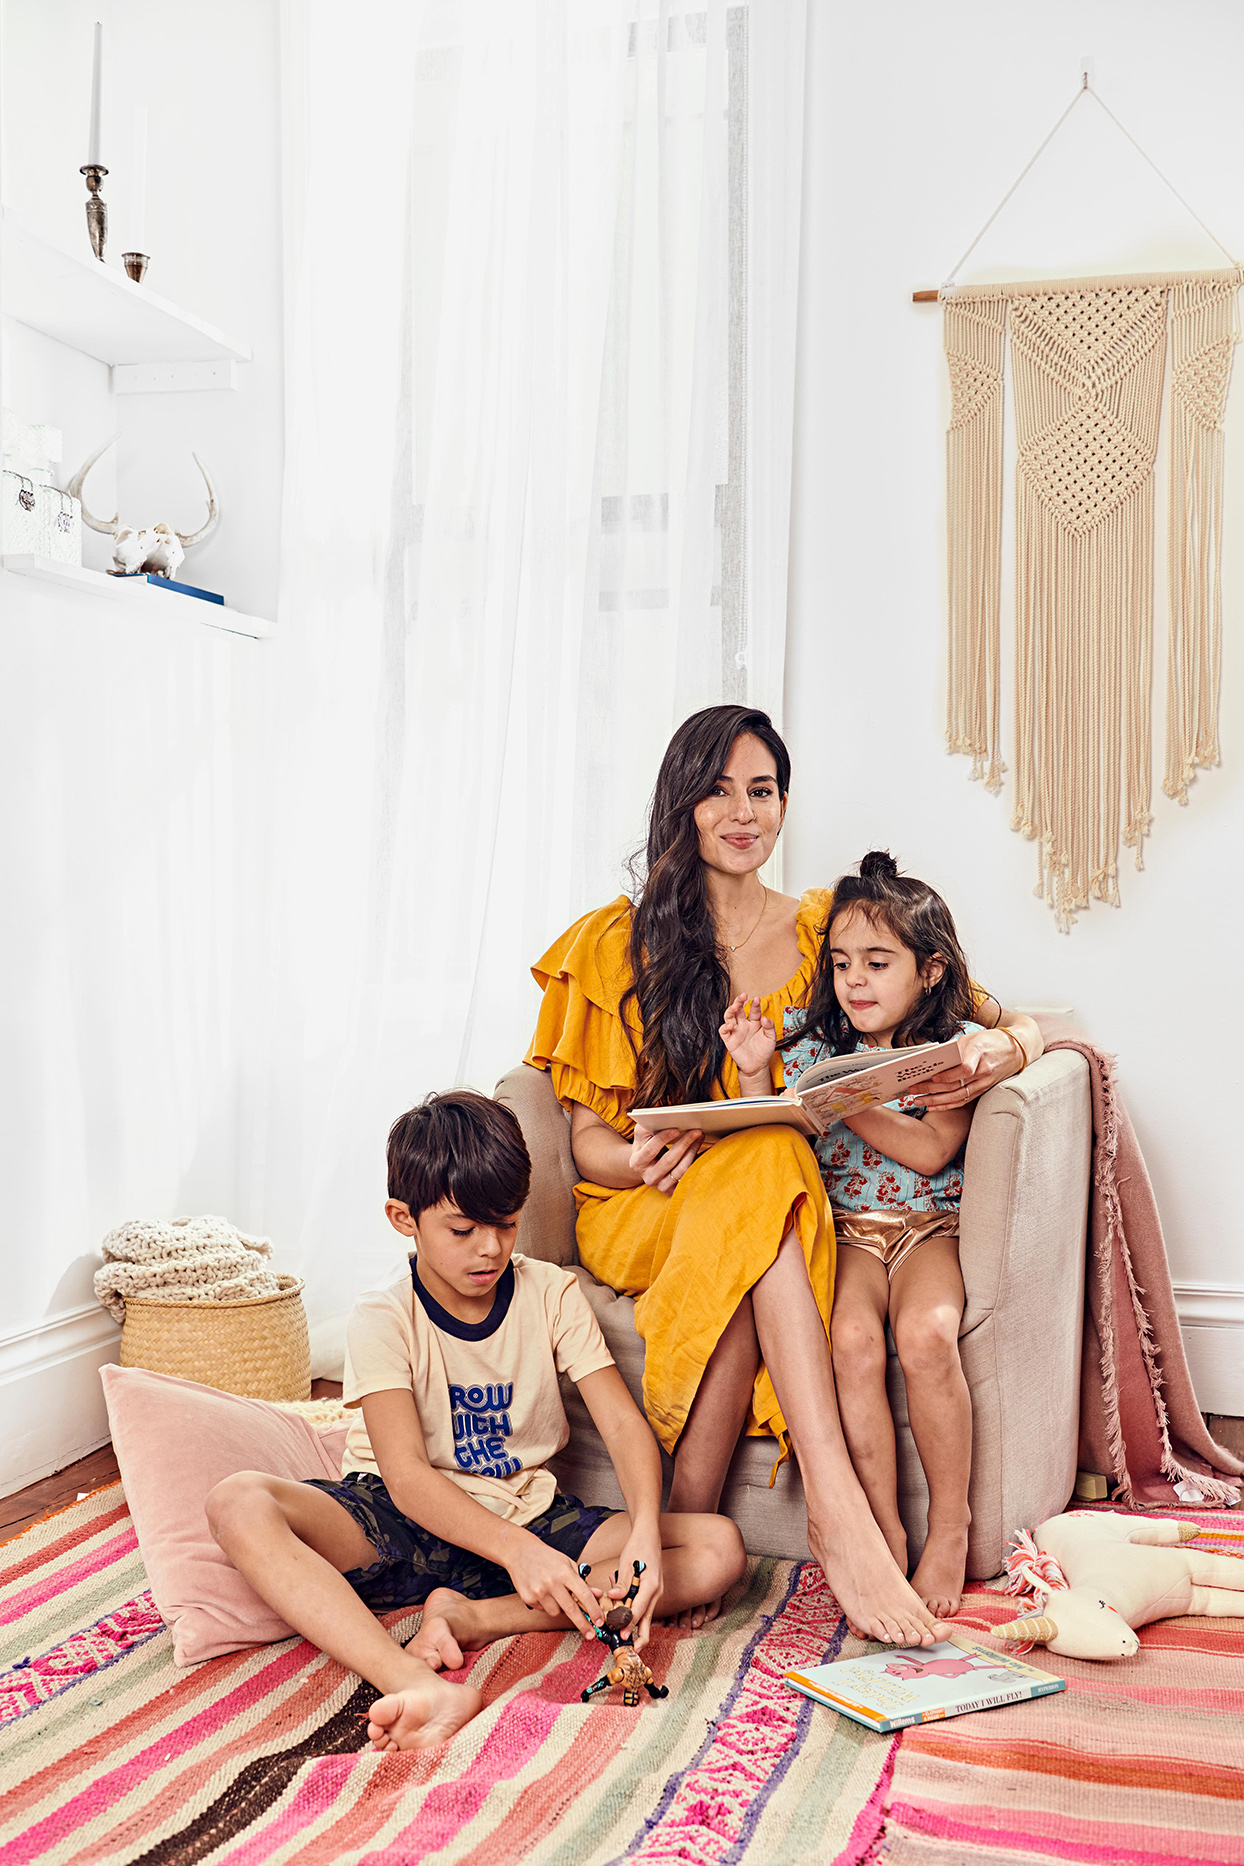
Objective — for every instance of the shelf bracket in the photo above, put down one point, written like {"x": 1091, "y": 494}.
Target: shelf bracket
{"x": 160, "y": 378}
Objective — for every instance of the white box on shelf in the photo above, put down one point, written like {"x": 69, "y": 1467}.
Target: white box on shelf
{"x": 61, "y": 525}
{"x": 44, "y": 440}
{"x": 20, "y": 523}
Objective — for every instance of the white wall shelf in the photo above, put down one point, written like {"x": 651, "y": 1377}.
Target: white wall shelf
{"x": 96, "y": 308}
{"x": 137, "y": 591}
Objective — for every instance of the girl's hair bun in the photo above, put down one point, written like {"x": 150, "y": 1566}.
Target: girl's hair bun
{"x": 878, "y": 865}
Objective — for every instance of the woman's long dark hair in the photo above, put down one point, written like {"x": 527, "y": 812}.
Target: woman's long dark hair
{"x": 681, "y": 982}
{"x": 919, "y": 919}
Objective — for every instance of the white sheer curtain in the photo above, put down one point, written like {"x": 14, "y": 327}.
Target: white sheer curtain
{"x": 540, "y": 282}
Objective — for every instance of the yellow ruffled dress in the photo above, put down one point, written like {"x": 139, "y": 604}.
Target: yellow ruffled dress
{"x": 691, "y": 1255}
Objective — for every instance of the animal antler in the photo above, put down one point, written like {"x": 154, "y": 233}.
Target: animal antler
{"x": 186, "y": 539}
{"x": 111, "y": 526}
{"x": 74, "y": 489}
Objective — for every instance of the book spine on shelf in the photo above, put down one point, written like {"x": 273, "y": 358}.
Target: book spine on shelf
{"x": 183, "y": 589}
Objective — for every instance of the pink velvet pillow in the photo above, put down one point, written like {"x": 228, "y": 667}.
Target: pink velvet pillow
{"x": 174, "y": 1441}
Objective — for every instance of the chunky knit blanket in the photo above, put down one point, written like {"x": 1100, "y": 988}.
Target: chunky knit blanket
{"x": 187, "y": 1260}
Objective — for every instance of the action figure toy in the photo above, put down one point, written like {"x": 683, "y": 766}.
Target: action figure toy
{"x": 627, "y": 1669}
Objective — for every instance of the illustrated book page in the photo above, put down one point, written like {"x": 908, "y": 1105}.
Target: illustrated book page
{"x": 825, "y": 1093}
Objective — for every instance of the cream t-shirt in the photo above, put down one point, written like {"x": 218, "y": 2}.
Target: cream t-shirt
{"x": 486, "y": 1392}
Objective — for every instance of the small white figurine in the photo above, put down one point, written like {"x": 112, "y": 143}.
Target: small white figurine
{"x": 154, "y": 549}
{"x": 1102, "y": 1574}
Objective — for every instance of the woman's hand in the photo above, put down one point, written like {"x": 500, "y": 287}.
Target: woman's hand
{"x": 987, "y": 1058}
{"x": 751, "y": 1040}
{"x": 661, "y": 1158}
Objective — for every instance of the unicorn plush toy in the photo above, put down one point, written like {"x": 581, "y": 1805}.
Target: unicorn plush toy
{"x": 1099, "y": 1575}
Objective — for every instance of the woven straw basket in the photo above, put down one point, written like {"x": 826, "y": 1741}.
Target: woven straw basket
{"x": 257, "y": 1347}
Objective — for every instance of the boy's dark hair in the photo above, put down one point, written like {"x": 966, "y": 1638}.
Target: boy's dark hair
{"x": 460, "y": 1146}
{"x": 920, "y": 920}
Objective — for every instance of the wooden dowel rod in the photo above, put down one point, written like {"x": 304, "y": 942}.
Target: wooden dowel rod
{"x": 924, "y": 298}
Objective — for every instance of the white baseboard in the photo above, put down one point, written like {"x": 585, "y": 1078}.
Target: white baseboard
{"x": 51, "y": 1400}
{"x": 1211, "y": 1320}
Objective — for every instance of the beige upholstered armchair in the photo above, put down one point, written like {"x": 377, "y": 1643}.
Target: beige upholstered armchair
{"x": 1024, "y": 1214}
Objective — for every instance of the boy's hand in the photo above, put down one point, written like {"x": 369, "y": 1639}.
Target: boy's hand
{"x": 750, "y": 1038}
{"x": 543, "y": 1577}
{"x": 647, "y": 1549}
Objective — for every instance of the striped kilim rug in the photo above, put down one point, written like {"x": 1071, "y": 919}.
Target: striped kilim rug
{"x": 110, "y": 1753}
{"x": 1139, "y": 1763}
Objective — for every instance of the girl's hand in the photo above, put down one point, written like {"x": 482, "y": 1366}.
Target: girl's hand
{"x": 661, "y": 1158}
{"x": 750, "y": 1038}
{"x": 646, "y": 1549}
{"x": 987, "y": 1058}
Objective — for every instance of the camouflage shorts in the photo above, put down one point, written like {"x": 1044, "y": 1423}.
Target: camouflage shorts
{"x": 410, "y": 1561}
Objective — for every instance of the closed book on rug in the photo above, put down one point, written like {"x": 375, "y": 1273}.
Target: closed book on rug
{"x": 888, "y": 1690}
{"x": 834, "y": 1087}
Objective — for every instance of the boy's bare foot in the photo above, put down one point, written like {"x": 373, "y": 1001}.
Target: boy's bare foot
{"x": 445, "y": 1632}
{"x": 695, "y": 1619}
{"x": 422, "y": 1715}
{"x": 939, "y": 1576}
{"x": 874, "y": 1595}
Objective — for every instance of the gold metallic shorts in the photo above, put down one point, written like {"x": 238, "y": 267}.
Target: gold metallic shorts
{"x": 893, "y": 1236}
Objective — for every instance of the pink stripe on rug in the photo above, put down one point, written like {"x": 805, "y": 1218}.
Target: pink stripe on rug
{"x": 52, "y": 1551}
{"x": 513, "y": 1741}
{"x": 85, "y": 1651}
{"x": 65, "y": 1578}
{"x": 1097, "y": 1843}
{"x": 871, "y": 1818}
{"x": 108, "y": 1789}
{"x": 519, "y": 1658}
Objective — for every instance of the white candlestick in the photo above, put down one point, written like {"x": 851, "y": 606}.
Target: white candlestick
{"x": 97, "y": 80}
{"x": 139, "y": 196}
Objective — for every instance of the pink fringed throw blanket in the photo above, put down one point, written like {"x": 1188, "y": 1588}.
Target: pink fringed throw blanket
{"x": 1139, "y": 1421}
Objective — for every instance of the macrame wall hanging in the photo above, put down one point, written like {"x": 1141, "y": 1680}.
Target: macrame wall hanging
{"x": 1088, "y": 365}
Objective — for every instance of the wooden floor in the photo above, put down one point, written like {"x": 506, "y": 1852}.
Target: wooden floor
{"x": 50, "y": 1494}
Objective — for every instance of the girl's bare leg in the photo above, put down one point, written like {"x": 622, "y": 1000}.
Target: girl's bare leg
{"x": 717, "y": 1417}
{"x": 842, "y": 1533}
{"x": 857, "y": 1329}
{"x": 295, "y": 1545}
{"x": 926, "y": 1306}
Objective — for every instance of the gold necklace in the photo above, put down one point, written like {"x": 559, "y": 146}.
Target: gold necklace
{"x": 764, "y": 890}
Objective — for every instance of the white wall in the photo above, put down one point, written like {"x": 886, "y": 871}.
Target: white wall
{"x": 918, "y": 120}
{"x": 131, "y": 743}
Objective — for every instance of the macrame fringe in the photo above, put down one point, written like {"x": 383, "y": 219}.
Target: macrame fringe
{"x": 1204, "y": 332}
{"x": 1088, "y": 359}
{"x": 975, "y": 334}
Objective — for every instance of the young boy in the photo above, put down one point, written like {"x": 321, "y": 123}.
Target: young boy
{"x": 445, "y": 1500}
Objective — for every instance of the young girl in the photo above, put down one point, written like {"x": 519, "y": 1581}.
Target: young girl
{"x": 891, "y": 972}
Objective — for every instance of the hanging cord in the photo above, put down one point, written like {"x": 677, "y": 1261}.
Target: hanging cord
{"x": 1085, "y": 90}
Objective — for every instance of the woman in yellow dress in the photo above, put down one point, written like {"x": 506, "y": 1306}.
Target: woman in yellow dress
{"x": 729, "y": 1248}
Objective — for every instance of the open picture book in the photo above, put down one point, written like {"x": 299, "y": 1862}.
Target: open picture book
{"x": 823, "y": 1094}
{"x": 887, "y": 1690}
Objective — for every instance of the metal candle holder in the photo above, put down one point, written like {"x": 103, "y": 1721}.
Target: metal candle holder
{"x": 96, "y": 210}
{"x": 135, "y": 264}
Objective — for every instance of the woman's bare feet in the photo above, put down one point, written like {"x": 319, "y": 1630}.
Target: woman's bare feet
{"x": 938, "y": 1579}
{"x": 422, "y": 1714}
{"x": 445, "y": 1632}
{"x": 874, "y": 1595}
